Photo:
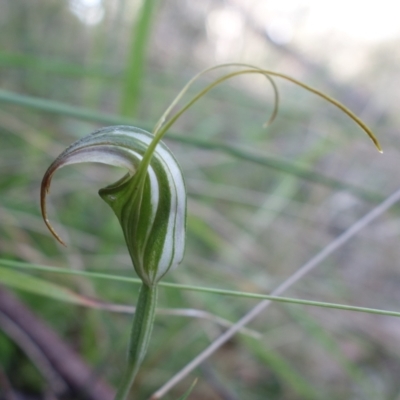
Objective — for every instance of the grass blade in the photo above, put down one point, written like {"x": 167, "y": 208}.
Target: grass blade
{"x": 38, "y": 286}
{"x": 136, "y": 59}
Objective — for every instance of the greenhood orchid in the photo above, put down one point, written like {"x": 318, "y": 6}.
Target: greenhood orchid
{"x": 150, "y": 205}
{"x": 150, "y": 200}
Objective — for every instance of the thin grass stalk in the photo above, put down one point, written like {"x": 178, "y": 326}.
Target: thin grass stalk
{"x": 17, "y": 281}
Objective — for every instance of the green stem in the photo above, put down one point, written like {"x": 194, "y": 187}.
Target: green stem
{"x": 140, "y": 337}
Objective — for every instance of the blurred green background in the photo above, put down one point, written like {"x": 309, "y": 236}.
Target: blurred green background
{"x": 261, "y": 201}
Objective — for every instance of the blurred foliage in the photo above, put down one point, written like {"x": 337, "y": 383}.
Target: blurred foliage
{"x": 64, "y": 69}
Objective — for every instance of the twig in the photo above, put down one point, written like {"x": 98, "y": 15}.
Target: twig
{"x": 63, "y": 360}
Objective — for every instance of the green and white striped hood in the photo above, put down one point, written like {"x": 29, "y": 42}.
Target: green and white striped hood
{"x": 150, "y": 204}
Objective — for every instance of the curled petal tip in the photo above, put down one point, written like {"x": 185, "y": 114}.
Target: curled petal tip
{"x": 55, "y": 234}
{"x": 43, "y": 192}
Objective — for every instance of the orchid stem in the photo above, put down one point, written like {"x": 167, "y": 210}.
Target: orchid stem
{"x": 140, "y": 336}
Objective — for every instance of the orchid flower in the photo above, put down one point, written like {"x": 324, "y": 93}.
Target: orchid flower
{"x": 150, "y": 200}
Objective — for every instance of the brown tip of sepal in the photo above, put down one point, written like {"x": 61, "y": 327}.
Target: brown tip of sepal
{"x": 44, "y": 189}
{"x": 53, "y": 232}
